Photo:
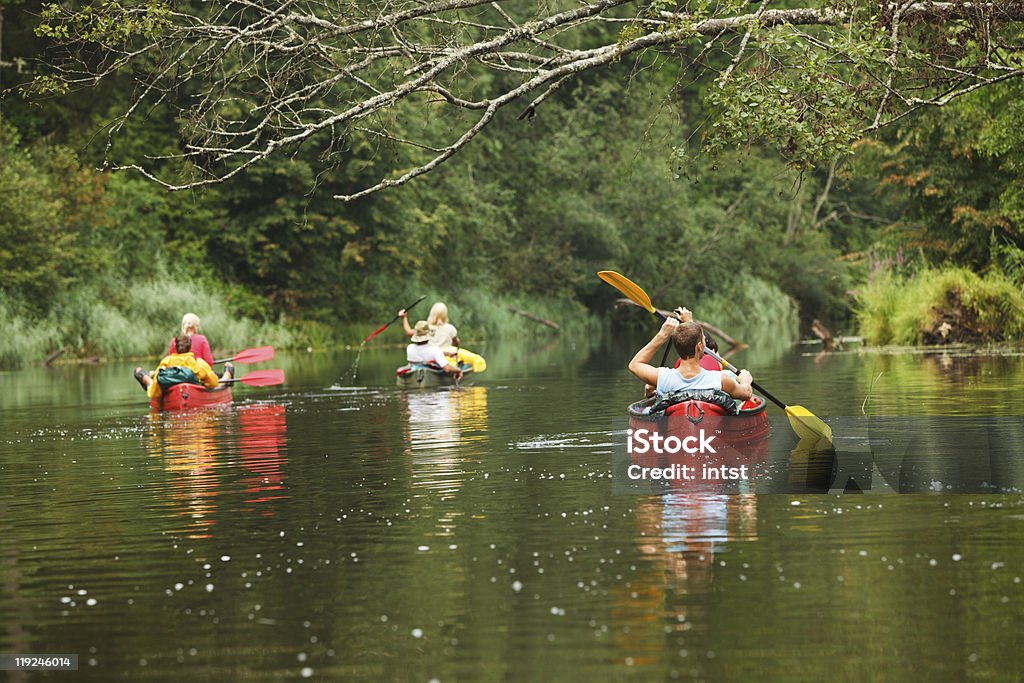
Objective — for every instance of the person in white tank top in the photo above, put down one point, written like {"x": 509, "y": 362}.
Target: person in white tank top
{"x": 688, "y": 339}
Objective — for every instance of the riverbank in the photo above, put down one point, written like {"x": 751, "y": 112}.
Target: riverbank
{"x": 134, "y": 321}
{"x": 939, "y": 307}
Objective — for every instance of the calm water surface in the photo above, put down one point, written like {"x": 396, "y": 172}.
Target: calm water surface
{"x": 344, "y": 530}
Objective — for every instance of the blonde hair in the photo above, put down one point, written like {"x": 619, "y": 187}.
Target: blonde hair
{"x": 438, "y": 314}
{"x": 189, "y": 321}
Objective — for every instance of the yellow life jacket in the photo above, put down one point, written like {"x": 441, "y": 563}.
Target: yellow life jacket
{"x": 464, "y": 357}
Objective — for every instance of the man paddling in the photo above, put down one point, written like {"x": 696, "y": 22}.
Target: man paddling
{"x": 688, "y": 339}
{"x": 422, "y": 352}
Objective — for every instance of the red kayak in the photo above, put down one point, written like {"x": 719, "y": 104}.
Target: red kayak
{"x": 185, "y": 396}
{"x": 740, "y": 442}
{"x": 686, "y": 416}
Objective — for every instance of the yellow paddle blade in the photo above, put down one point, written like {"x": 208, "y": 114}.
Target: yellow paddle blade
{"x": 807, "y": 425}
{"x": 627, "y": 287}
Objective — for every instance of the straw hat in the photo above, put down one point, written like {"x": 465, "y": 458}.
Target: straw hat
{"x": 421, "y": 332}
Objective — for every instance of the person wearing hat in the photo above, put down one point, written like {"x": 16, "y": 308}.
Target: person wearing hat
{"x": 422, "y": 352}
{"x": 442, "y": 332}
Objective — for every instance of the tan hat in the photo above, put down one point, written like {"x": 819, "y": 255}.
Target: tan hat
{"x": 421, "y": 332}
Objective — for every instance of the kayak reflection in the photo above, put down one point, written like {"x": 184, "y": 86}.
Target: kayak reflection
{"x": 680, "y": 534}
{"x": 205, "y": 450}
{"x": 443, "y": 431}
{"x": 261, "y": 443}
{"x": 187, "y": 443}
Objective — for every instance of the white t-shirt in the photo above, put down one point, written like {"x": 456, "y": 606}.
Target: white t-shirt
{"x": 670, "y": 380}
{"x": 443, "y": 335}
{"x": 422, "y": 354}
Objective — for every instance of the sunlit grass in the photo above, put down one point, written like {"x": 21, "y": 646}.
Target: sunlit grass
{"x": 22, "y": 338}
{"x": 129, "y": 319}
{"x": 756, "y": 311}
{"x": 903, "y": 310}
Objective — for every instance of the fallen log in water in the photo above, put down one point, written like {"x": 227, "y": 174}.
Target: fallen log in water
{"x": 717, "y": 331}
{"x": 821, "y": 332}
{"x": 52, "y": 357}
{"x": 535, "y": 318}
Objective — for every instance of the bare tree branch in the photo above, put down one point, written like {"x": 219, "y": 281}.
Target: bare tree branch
{"x": 248, "y": 81}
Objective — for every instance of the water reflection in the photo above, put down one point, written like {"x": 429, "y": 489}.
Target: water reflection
{"x": 940, "y": 383}
{"x": 695, "y": 584}
{"x": 443, "y": 431}
{"x": 261, "y": 431}
{"x": 681, "y": 534}
{"x": 199, "y": 449}
{"x": 187, "y": 445}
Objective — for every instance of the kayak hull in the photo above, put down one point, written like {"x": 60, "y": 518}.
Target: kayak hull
{"x": 750, "y": 425}
{"x": 428, "y": 377}
{"x": 739, "y": 445}
{"x": 187, "y": 396}
{"x": 738, "y": 440}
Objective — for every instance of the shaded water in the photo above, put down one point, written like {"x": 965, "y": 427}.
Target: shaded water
{"x": 344, "y": 531}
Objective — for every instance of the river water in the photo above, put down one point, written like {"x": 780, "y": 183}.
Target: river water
{"x": 346, "y": 530}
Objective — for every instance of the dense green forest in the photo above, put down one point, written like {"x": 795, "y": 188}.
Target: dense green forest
{"x": 618, "y": 169}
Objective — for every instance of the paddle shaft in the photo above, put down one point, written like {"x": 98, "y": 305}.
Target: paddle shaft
{"x": 664, "y": 356}
{"x": 388, "y": 323}
{"x": 729, "y": 366}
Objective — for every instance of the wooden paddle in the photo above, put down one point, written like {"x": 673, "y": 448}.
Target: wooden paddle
{"x": 259, "y": 378}
{"x": 385, "y": 325}
{"x": 805, "y": 423}
{"x": 256, "y": 355}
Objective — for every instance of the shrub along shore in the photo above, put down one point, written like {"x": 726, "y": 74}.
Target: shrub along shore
{"x": 135, "y": 320}
{"x": 933, "y": 306}
{"x": 941, "y": 306}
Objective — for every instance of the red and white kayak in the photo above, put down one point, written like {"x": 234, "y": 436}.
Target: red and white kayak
{"x": 749, "y": 425}
{"x": 739, "y": 439}
{"x": 186, "y": 396}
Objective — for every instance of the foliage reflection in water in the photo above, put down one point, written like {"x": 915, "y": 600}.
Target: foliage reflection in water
{"x": 364, "y": 533}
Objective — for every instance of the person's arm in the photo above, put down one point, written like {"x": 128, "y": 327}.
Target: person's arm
{"x": 405, "y": 322}
{"x": 445, "y": 364}
{"x": 641, "y": 366}
{"x": 740, "y": 387}
{"x": 455, "y": 336}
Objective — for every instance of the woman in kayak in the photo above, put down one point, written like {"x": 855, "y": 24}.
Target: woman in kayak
{"x": 181, "y": 366}
{"x": 422, "y": 352}
{"x": 442, "y": 332}
{"x": 445, "y": 336}
{"x": 200, "y": 346}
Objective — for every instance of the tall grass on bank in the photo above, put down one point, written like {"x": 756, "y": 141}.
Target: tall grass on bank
{"x": 137, "y": 320}
{"x": 753, "y": 311}
{"x": 21, "y": 337}
{"x": 935, "y": 305}
{"x": 481, "y": 314}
